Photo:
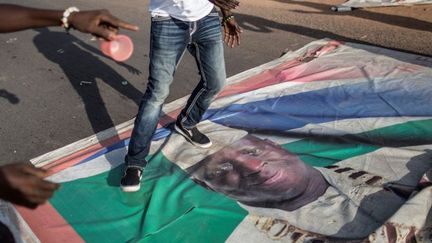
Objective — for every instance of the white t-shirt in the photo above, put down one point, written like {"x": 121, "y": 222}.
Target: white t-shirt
{"x": 185, "y": 10}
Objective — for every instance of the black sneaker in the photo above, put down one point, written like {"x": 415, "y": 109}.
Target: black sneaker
{"x": 131, "y": 179}
{"x": 193, "y": 135}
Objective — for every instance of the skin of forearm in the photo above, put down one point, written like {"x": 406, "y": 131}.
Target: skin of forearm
{"x": 15, "y": 18}
{"x": 225, "y": 12}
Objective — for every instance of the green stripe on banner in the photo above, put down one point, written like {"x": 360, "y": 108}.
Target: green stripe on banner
{"x": 169, "y": 208}
{"x": 172, "y": 208}
{"x": 324, "y": 151}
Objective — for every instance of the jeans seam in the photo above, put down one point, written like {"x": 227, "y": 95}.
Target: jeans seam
{"x": 202, "y": 89}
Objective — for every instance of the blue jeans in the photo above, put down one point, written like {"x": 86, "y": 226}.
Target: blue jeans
{"x": 168, "y": 41}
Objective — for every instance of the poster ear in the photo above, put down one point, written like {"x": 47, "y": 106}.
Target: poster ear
{"x": 272, "y": 142}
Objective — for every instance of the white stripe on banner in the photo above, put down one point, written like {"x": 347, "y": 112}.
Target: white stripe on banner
{"x": 185, "y": 155}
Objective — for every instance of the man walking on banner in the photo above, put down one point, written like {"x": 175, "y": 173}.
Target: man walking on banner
{"x": 177, "y": 25}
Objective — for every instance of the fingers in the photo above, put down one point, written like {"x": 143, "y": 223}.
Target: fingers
{"x": 39, "y": 192}
{"x": 48, "y": 186}
{"x": 38, "y": 182}
{"x": 108, "y": 26}
{"x": 100, "y": 23}
{"x": 105, "y": 33}
{"x": 228, "y": 38}
{"x": 32, "y": 170}
{"x": 34, "y": 192}
{"x": 40, "y": 196}
{"x": 232, "y": 36}
{"x": 35, "y": 200}
{"x": 24, "y": 184}
{"x": 226, "y": 35}
{"x": 113, "y": 21}
{"x": 238, "y": 32}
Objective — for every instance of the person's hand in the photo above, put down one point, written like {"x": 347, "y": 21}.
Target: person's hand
{"x": 24, "y": 184}
{"x": 226, "y": 4}
{"x": 232, "y": 32}
{"x": 98, "y": 22}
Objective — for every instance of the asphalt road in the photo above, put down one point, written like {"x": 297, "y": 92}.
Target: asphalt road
{"x": 45, "y": 105}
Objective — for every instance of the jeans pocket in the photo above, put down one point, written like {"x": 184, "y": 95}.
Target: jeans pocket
{"x": 160, "y": 18}
{"x": 212, "y": 14}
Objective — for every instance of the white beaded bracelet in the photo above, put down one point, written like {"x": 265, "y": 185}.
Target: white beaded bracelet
{"x": 66, "y": 14}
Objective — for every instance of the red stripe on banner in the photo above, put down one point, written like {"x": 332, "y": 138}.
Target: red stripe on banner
{"x": 48, "y": 225}
{"x": 75, "y": 158}
{"x": 263, "y": 79}
{"x": 276, "y": 75}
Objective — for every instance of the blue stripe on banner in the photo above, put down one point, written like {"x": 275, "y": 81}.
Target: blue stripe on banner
{"x": 392, "y": 98}
{"x": 159, "y": 134}
{"x": 369, "y": 99}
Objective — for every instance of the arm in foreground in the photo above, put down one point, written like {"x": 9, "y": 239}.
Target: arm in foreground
{"x": 98, "y": 22}
{"x": 24, "y": 184}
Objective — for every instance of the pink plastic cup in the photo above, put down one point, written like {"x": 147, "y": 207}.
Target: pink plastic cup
{"x": 119, "y": 49}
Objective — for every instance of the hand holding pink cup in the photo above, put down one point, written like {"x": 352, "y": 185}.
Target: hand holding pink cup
{"x": 119, "y": 49}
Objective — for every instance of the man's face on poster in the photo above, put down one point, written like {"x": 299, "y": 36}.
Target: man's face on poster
{"x": 253, "y": 170}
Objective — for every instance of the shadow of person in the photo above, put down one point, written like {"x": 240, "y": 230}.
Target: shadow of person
{"x": 401, "y": 21}
{"x": 385, "y": 203}
{"x": 79, "y": 63}
{"x": 262, "y": 25}
{"x": 12, "y": 98}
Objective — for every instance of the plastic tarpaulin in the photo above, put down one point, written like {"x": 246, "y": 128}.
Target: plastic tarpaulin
{"x": 331, "y": 142}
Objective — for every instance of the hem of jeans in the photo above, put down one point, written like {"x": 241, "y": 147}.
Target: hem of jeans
{"x": 182, "y": 120}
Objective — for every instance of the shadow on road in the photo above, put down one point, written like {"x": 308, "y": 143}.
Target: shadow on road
{"x": 12, "y": 98}
{"x": 258, "y": 24}
{"x": 79, "y": 63}
{"x": 401, "y": 21}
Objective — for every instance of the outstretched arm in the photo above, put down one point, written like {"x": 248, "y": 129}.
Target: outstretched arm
{"x": 98, "y": 22}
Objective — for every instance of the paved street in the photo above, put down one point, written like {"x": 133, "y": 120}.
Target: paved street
{"x": 45, "y": 104}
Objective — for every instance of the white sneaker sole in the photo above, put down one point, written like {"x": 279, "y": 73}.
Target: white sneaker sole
{"x": 130, "y": 188}
{"x": 178, "y": 130}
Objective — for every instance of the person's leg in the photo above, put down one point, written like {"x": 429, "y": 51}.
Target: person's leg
{"x": 167, "y": 45}
{"x": 207, "y": 48}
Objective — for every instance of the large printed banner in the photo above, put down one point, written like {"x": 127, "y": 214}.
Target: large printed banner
{"x": 377, "y": 3}
{"x": 332, "y": 142}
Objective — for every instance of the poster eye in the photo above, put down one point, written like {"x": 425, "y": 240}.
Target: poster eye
{"x": 226, "y": 166}
{"x": 252, "y": 152}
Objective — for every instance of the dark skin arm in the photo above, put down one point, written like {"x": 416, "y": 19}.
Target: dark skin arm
{"x": 231, "y": 29}
{"x": 24, "y": 184}
{"x": 98, "y": 22}
{"x": 226, "y": 4}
